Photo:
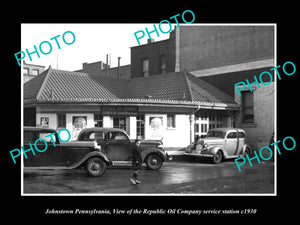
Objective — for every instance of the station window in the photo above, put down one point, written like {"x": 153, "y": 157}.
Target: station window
{"x": 203, "y": 128}
{"x": 98, "y": 120}
{"x": 61, "y": 120}
{"x": 140, "y": 126}
{"x": 119, "y": 122}
{"x": 171, "y": 123}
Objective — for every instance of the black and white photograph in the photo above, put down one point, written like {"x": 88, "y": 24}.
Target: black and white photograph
{"x": 163, "y": 112}
{"x": 195, "y": 105}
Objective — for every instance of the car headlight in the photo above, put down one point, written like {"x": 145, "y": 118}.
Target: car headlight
{"x": 200, "y": 145}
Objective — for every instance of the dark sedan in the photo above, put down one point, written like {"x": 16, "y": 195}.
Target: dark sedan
{"x": 59, "y": 155}
{"x": 117, "y": 146}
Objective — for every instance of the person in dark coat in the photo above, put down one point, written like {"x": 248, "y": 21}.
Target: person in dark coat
{"x": 136, "y": 163}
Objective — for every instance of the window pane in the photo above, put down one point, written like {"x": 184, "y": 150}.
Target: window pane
{"x": 145, "y": 67}
{"x": 47, "y": 139}
{"x": 25, "y": 71}
{"x": 35, "y": 72}
{"x": 61, "y": 120}
{"x": 196, "y": 128}
{"x": 247, "y": 107}
{"x": 231, "y": 135}
{"x": 95, "y": 136}
{"x": 171, "y": 121}
{"x": 140, "y": 126}
{"x": 120, "y": 122}
{"x": 117, "y": 136}
{"x": 162, "y": 64}
{"x": 241, "y": 134}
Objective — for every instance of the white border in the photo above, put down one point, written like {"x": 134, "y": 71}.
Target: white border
{"x": 227, "y": 194}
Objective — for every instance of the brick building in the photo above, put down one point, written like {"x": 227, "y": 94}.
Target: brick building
{"x": 222, "y": 56}
{"x": 100, "y": 69}
{"x": 153, "y": 58}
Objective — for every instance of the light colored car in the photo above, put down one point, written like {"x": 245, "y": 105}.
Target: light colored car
{"x": 220, "y": 143}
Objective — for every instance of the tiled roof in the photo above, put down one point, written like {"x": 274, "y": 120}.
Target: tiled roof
{"x": 59, "y": 85}
{"x": 170, "y": 86}
{"x": 178, "y": 87}
{"x": 202, "y": 91}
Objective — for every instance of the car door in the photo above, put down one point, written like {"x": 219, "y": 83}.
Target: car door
{"x": 29, "y": 137}
{"x": 231, "y": 143}
{"x": 46, "y": 153}
{"x": 118, "y": 146}
{"x": 241, "y": 140}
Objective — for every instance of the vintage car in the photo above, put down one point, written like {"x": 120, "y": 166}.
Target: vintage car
{"x": 220, "y": 143}
{"x": 117, "y": 146}
{"x": 59, "y": 155}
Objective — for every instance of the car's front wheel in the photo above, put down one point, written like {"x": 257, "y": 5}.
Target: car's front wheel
{"x": 95, "y": 166}
{"x": 154, "y": 161}
{"x": 217, "y": 158}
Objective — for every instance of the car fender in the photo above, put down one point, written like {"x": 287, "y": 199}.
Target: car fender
{"x": 149, "y": 151}
{"x": 89, "y": 155}
{"x": 214, "y": 151}
{"x": 245, "y": 146}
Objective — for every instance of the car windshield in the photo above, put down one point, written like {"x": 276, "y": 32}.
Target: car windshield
{"x": 218, "y": 134}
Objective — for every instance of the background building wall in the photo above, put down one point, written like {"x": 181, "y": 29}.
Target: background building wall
{"x": 259, "y": 132}
{"x": 203, "y": 47}
{"x": 152, "y": 51}
{"x": 177, "y": 137}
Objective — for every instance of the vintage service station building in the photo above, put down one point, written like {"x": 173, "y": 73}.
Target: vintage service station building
{"x": 173, "y": 89}
{"x": 173, "y": 107}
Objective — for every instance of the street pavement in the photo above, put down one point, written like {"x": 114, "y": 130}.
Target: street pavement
{"x": 184, "y": 177}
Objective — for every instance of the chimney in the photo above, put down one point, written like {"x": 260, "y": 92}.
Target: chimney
{"x": 119, "y": 58}
{"x": 107, "y": 65}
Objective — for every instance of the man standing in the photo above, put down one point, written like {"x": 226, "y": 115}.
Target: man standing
{"x": 136, "y": 163}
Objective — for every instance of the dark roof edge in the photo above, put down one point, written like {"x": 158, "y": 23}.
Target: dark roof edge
{"x": 188, "y": 85}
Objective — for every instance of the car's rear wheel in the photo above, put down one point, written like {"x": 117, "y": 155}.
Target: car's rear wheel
{"x": 247, "y": 152}
{"x": 95, "y": 166}
{"x": 217, "y": 158}
{"x": 154, "y": 161}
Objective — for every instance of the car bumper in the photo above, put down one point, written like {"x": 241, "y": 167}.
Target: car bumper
{"x": 199, "y": 154}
